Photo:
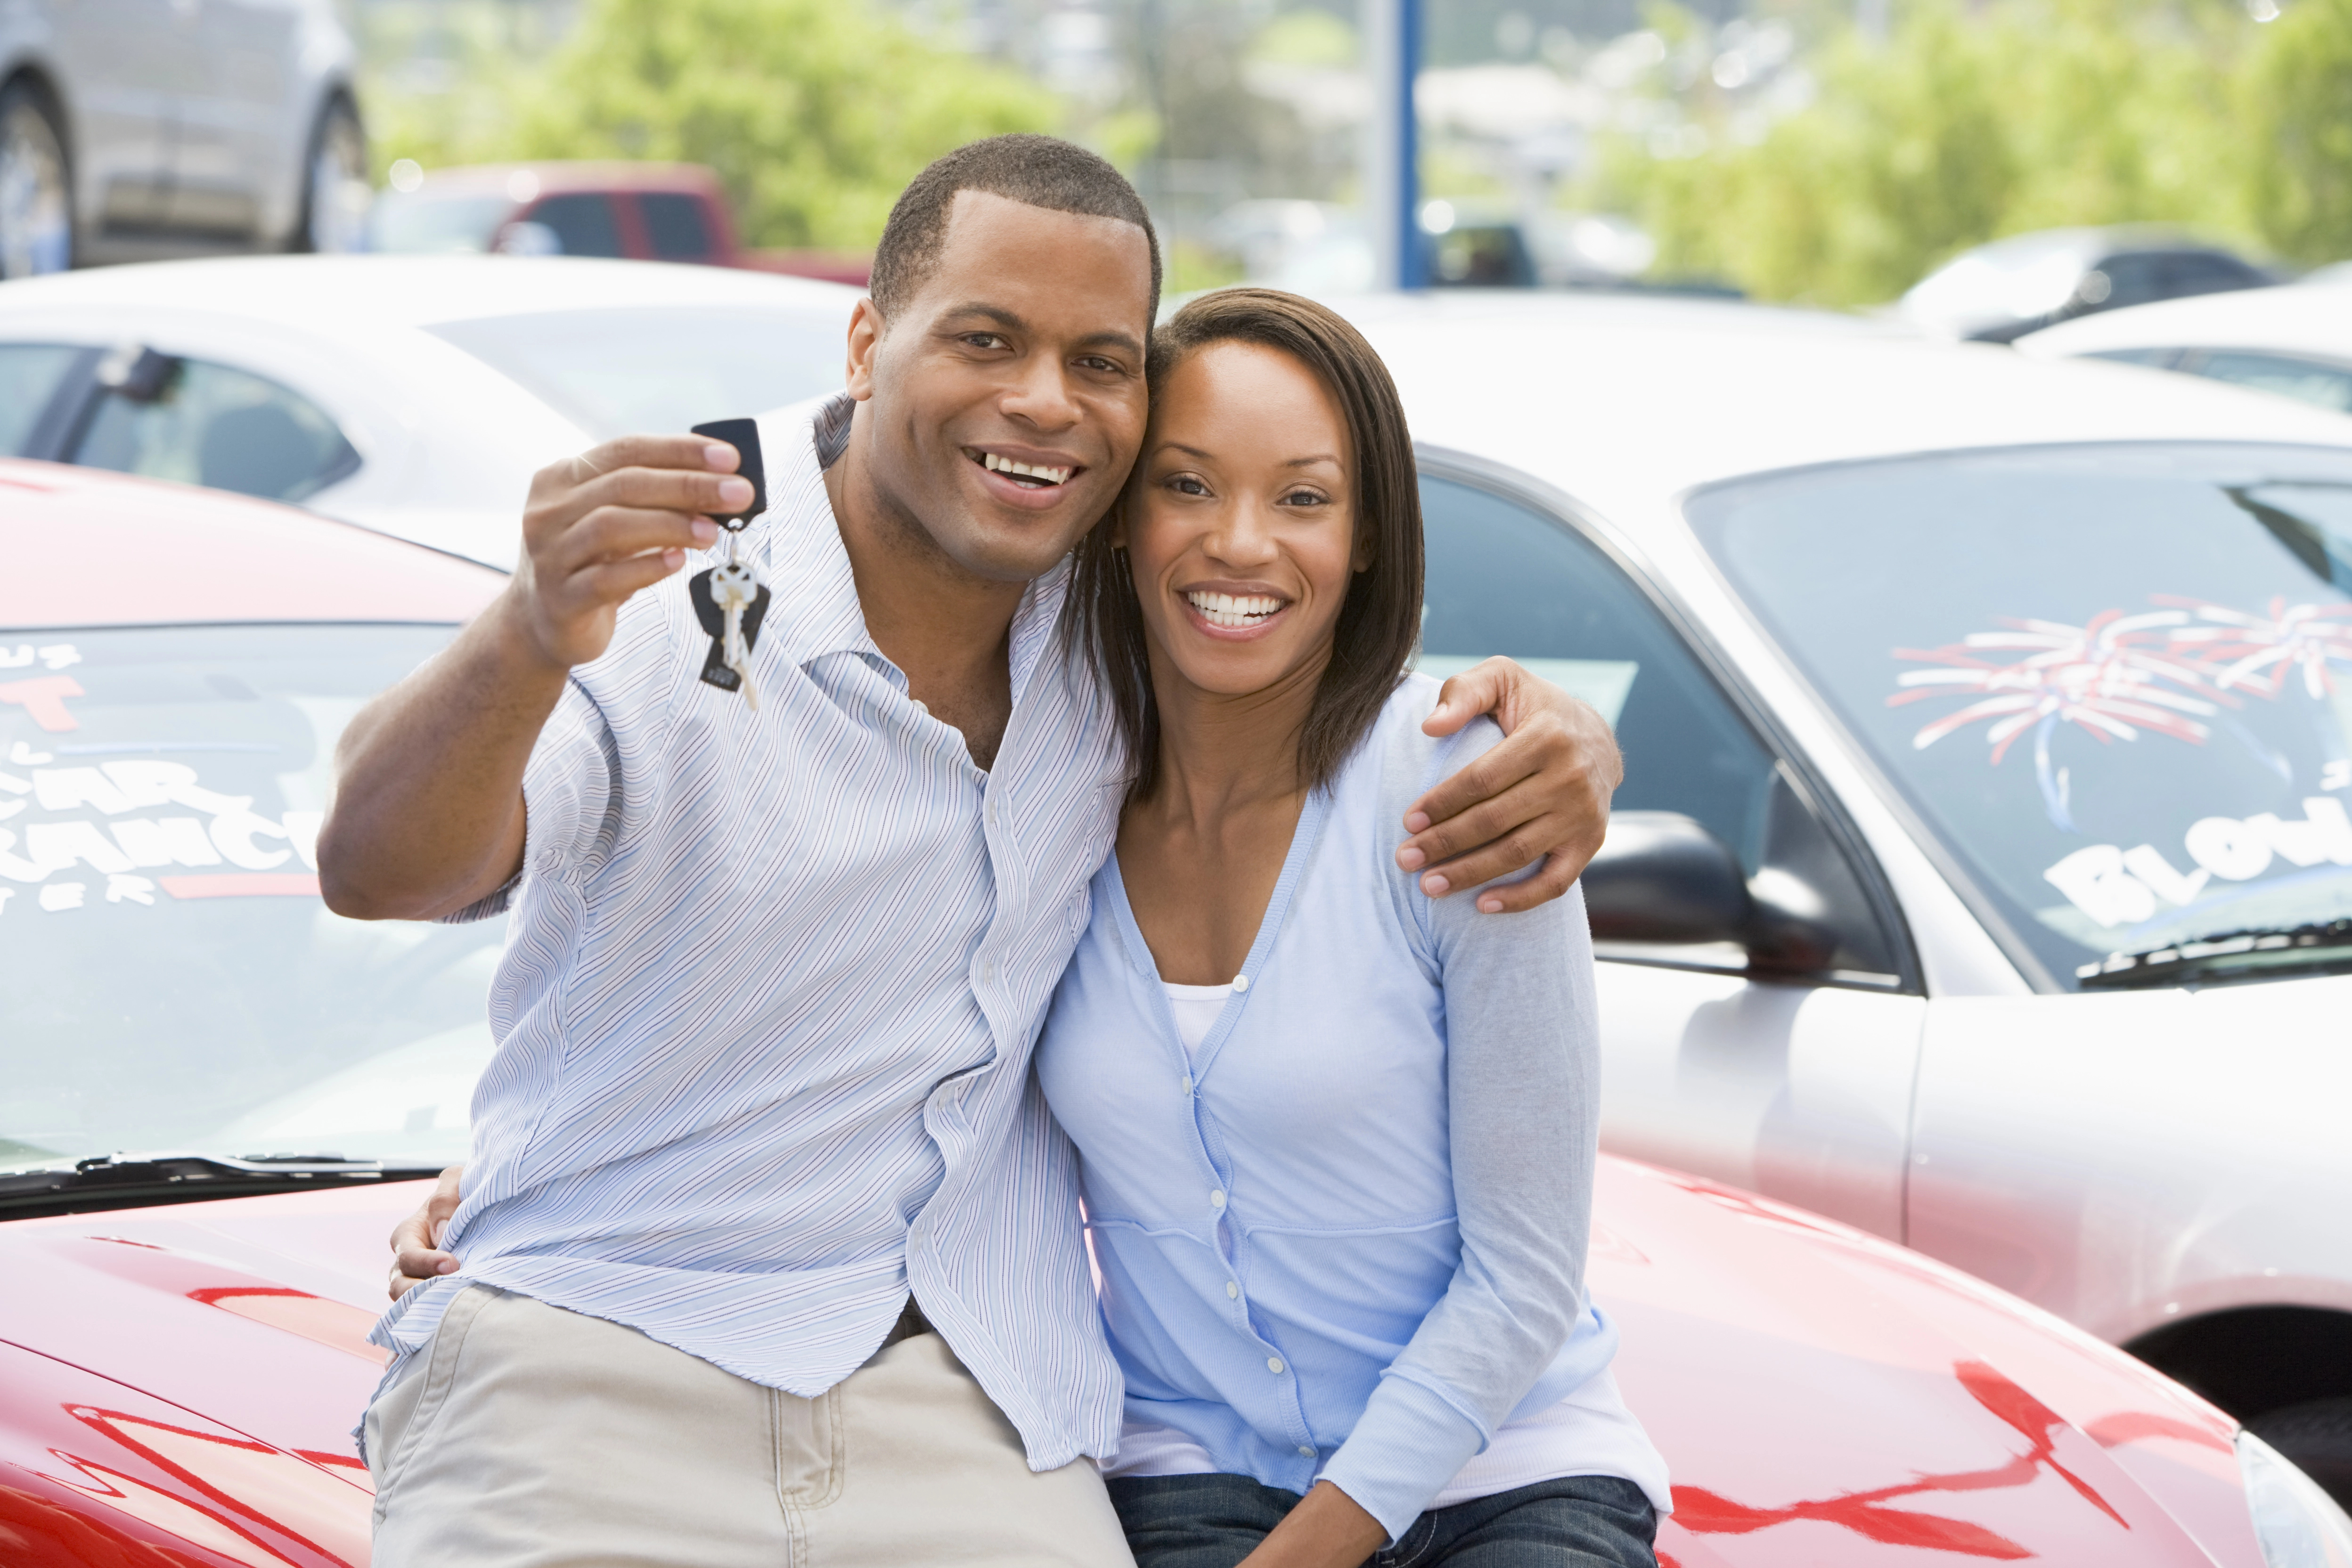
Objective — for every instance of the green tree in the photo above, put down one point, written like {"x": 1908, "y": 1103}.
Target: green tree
{"x": 1900, "y": 160}
{"x": 2295, "y": 94}
{"x": 1967, "y": 123}
{"x": 816, "y": 113}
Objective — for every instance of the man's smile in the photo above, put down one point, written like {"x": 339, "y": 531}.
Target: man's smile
{"x": 1027, "y": 472}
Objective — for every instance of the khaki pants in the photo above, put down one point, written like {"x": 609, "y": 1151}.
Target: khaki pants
{"x": 528, "y": 1436}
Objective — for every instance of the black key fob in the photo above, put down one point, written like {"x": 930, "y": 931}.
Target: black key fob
{"x": 714, "y": 622}
{"x": 743, "y": 435}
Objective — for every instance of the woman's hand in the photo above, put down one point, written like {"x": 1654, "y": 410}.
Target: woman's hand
{"x": 1542, "y": 793}
{"x": 1327, "y": 1530}
{"x": 416, "y": 1254}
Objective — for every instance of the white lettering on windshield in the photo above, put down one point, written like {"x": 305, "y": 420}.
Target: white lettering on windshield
{"x": 137, "y": 889}
{"x": 230, "y": 833}
{"x": 2116, "y": 887}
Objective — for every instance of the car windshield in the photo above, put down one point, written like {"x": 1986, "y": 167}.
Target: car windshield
{"x": 661, "y": 368}
{"x": 169, "y": 978}
{"x": 2115, "y": 682}
{"x": 432, "y": 223}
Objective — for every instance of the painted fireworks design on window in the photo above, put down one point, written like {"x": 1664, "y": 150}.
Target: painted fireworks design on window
{"x": 2175, "y": 670}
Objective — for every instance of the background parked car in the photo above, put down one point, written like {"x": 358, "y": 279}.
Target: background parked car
{"x": 1981, "y": 871}
{"x": 414, "y": 395}
{"x": 2294, "y": 340}
{"x": 2000, "y": 291}
{"x": 646, "y": 212}
{"x": 183, "y": 1365}
{"x": 132, "y": 129}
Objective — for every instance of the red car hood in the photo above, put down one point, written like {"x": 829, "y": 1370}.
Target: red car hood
{"x": 188, "y": 1378}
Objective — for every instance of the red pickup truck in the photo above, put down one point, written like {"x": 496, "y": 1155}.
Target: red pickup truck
{"x": 649, "y": 212}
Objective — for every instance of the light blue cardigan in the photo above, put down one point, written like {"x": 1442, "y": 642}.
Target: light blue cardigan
{"x": 1347, "y": 1236}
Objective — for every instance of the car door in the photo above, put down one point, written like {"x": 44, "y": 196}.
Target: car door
{"x": 125, "y": 70}
{"x": 238, "y": 125}
{"x": 1800, "y": 1090}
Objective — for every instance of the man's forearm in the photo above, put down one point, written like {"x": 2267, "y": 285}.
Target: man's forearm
{"x": 428, "y": 810}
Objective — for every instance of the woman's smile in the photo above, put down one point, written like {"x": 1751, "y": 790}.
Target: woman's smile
{"x": 1232, "y": 613}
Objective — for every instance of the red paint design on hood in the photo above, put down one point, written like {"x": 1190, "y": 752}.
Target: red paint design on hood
{"x": 1864, "y": 1513}
{"x": 1824, "y": 1399}
{"x": 94, "y": 1473}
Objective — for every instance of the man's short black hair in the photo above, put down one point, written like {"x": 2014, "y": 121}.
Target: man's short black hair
{"x": 1035, "y": 171}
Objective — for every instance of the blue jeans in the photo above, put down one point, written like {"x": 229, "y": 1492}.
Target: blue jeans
{"x": 1215, "y": 1521}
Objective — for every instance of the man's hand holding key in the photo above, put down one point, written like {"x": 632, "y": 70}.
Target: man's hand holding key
{"x": 602, "y": 525}
{"x": 428, "y": 814}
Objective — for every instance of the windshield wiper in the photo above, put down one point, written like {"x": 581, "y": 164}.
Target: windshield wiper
{"x": 2319, "y": 948}
{"x": 138, "y": 1181}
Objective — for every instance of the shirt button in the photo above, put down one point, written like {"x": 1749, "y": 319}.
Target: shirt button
{"x": 1274, "y": 1365}
{"x": 1233, "y": 1291}
{"x": 1188, "y": 1083}
{"x": 1305, "y": 1452}
{"x": 1217, "y": 1200}
{"x": 1241, "y": 981}
{"x": 921, "y": 710}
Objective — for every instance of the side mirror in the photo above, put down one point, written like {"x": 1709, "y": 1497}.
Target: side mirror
{"x": 1662, "y": 877}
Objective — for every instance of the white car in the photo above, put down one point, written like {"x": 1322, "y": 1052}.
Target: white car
{"x": 1982, "y": 869}
{"x": 139, "y": 129}
{"x": 412, "y": 395}
{"x": 2000, "y": 291}
{"x": 2294, "y": 340}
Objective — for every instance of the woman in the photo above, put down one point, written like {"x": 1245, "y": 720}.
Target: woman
{"x": 1337, "y": 1138}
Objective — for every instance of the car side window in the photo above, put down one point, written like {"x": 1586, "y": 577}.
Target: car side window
{"x": 1503, "y": 579}
{"x": 208, "y": 424}
{"x": 2135, "y": 278}
{"x": 2312, "y": 381}
{"x": 30, "y": 374}
{"x": 2202, "y": 272}
{"x": 582, "y": 222}
{"x": 2161, "y": 359}
{"x": 675, "y": 226}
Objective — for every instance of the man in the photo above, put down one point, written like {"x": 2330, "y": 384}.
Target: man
{"x": 765, "y": 1014}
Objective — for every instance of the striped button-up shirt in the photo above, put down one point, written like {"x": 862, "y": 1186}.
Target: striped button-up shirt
{"x": 765, "y": 1016}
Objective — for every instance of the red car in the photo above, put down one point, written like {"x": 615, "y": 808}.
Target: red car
{"x": 180, "y": 1365}
{"x": 644, "y": 212}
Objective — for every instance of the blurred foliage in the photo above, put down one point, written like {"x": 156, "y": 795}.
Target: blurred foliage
{"x": 443, "y": 83}
{"x": 814, "y": 113}
{"x": 1972, "y": 121}
{"x": 1193, "y": 267}
{"x": 1305, "y": 38}
{"x": 2297, "y": 100}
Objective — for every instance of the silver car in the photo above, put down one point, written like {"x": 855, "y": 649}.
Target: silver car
{"x": 137, "y": 129}
{"x": 1983, "y": 874}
